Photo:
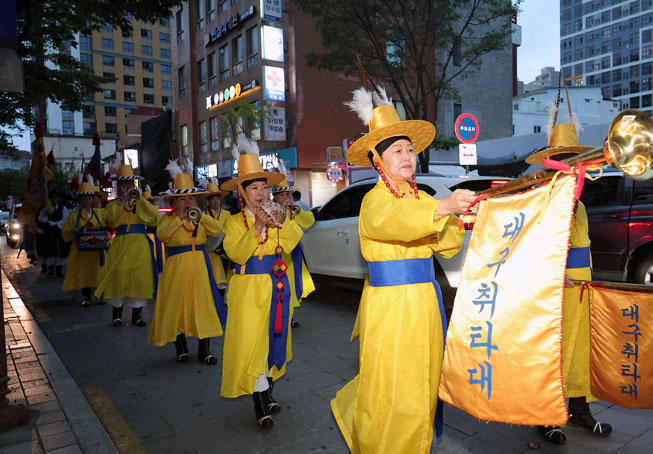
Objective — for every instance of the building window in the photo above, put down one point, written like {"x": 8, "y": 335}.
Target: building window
{"x": 89, "y": 95}
{"x": 127, "y": 48}
{"x": 537, "y": 129}
{"x": 166, "y": 69}
{"x": 146, "y": 34}
{"x": 107, "y": 43}
{"x": 109, "y": 75}
{"x": 210, "y": 10}
{"x": 130, "y": 96}
{"x": 148, "y": 66}
{"x": 181, "y": 77}
{"x": 199, "y": 15}
{"x": 252, "y": 47}
{"x": 148, "y": 99}
{"x": 85, "y": 43}
{"x": 68, "y": 127}
{"x": 111, "y": 127}
{"x": 180, "y": 25}
{"x": 634, "y": 102}
{"x": 108, "y": 60}
{"x": 515, "y": 107}
{"x": 129, "y": 80}
{"x": 110, "y": 111}
{"x": 224, "y": 63}
{"x": 146, "y": 50}
{"x": 164, "y": 37}
{"x": 148, "y": 82}
{"x": 210, "y": 68}
{"x": 215, "y": 136}
{"x": 106, "y": 28}
{"x": 109, "y": 94}
{"x": 66, "y": 113}
{"x": 86, "y": 59}
{"x": 237, "y": 47}
{"x": 185, "y": 141}
{"x": 128, "y": 62}
{"x": 164, "y": 23}
{"x": 166, "y": 101}
{"x": 646, "y": 101}
{"x": 222, "y": 6}
{"x": 204, "y": 145}
{"x": 457, "y": 111}
{"x": 165, "y": 53}
{"x": 89, "y": 129}
{"x": 166, "y": 85}
{"x": 200, "y": 76}
{"x": 88, "y": 111}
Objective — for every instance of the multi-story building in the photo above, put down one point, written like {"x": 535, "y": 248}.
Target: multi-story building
{"x": 142, "y": 66}
{"x": 609, "y": 43}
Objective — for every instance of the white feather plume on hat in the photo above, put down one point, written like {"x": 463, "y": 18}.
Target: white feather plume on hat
{"x": 235, "y": 152}
{"x": 148, "y": 189}
{"x": 575, "y": 121}
{"x": 189, "y": 166}
{"x": 174, "y": 169}
{"x": 362, "y": 104}
{"x": 89, "y": 178}
{"x": 214, "y": 180}
{"x": 204, "y": 182}
{"x": 248, "y": 146}
{"x": 551, "y": 109}
{"x": 282, "y": 167}
{"x": 381, "y": 98}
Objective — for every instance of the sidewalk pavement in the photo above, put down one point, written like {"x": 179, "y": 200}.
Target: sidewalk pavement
{"x": 147, "y": 402}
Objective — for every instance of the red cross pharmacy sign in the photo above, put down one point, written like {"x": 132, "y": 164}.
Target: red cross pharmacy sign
{"x": 466, "y": 128}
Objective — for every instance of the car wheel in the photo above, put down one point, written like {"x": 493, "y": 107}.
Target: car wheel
{"x": 644, "y": 272}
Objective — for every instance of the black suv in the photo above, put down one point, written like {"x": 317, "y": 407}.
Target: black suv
{"x": 620, "y": 212}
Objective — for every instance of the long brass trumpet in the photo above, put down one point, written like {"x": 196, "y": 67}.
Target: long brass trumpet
{"x": 629, "y": 148}
{"x": 194, "y": 214}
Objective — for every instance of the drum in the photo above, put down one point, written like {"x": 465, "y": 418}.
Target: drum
{"x": 93, "y": 240}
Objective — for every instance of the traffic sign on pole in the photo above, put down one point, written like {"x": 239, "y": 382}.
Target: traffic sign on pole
{"x": 466, "y": 128}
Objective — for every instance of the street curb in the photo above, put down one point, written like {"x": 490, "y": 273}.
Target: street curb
{"x": 84, "y": 422}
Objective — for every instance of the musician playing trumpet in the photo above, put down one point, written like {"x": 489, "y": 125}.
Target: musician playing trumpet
{"x": 83, "y": 266}
{"x": 300, "y": 279}
{"x": 187, "y": 301}
{"x": 257, "y": 344}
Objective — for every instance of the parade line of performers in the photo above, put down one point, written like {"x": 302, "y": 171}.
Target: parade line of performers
{"x": 248, "y": 289}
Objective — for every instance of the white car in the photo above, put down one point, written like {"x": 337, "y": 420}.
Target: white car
{"x": 332, "y": 246}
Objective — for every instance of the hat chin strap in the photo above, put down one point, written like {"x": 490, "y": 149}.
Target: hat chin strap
{"x": 402, "y": 187}
{"x": 244, "y": 195}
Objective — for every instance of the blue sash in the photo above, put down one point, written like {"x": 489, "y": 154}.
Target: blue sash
{"x": 406, "y": 272}
{"x": 219, "y": 304}
{"x": 578, "y": 257}
{"x": 142, "y": 229}
{"x": 159, "y": 249}
{"x": 277, "y": 342}
{"x": 297, "y": 261}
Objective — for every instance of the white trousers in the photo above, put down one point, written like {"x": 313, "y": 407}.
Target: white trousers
{"x": 131, "y": 302}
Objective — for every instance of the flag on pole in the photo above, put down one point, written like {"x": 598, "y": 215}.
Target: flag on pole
{"x": 93, "y": 167}
{"x": 36, "y": 191}
{"x": 503, "y": 355}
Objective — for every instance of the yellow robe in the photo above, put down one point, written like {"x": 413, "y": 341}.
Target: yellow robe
{"x": 129, "y": 271}
{"x": 184, "y": 301}
{"x": 216, "y": 261}
{"x": 305, "y": 219}
{"x": 83, "y": 266}
{"x": 249, "y": 295}
{"x": 576, "y": 319}
{"x": 389, "y": 407}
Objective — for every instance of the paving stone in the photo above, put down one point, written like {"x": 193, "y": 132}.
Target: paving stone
{"x": 47, "y": 396}
{"x": 51, "y": 416}
{"x": 71, "y": 449}
{"x": 38, "y": 390}
{"x": 59, "y": 440}
{"x": 53, "y": 428}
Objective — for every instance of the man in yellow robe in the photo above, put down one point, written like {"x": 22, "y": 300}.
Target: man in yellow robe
{"x": 130, "y": 274}
{"x": 214, "y": 210}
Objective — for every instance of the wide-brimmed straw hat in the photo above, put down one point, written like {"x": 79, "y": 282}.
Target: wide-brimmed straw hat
{"x": 183, "y": 183}
{"x": 125, "y": 173}
{"x": 249, "y": 168}
{"x": 563, "y": 144}
{"x": 283, "y": 186}
{"x": 98, "y": 191}
{"x": 213, "y": 189}
{"x": 85, "y": 188}
{"x": 384, "y": 122}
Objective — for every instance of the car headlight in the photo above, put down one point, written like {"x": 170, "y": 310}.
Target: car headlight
{"x": 15, "y": 225}
{"x": 15, "y": 236}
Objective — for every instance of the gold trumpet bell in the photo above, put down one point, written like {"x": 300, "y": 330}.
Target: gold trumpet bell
{"x": 629, "y": 146}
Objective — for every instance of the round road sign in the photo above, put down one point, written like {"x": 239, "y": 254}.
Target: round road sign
{"x": 466, "y": 128}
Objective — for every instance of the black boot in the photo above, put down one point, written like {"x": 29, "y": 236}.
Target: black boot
{"x": 86, "y": 296}
{"x": 60, "y": 271}
{"x": 580, "y": 415}
{"x": 553, "y": 434}
{"x": 50, "y": 270}
{"x": 294, "y": 323}
{"x": 182, "y": 348}
{"x": 263, "y": 418}
{"x": 203, "y": 353}
{"x": 137, "y": 318}
{"x": 116, "y": 319}
{"x": 44, "y": 268}
{"x": 272, "y": 405}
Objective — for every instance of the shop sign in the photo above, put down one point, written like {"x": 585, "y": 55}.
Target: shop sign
{"x": 227, "y": 94}
{"x": 231, "y": 23}
{"x": 270, "y": 161}
{"x": 274, "y": 84}
{"x": 271, "y": 10}
{"x": 334, "y": 173}
{"x": 272, "y": 39}
{"x": 334, "y": 154}
{"x": 275, "y": 127}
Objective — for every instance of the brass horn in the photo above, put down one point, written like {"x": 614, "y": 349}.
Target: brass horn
{"x": 629, "y": 148}
{"x": 194, "y": 214}
{"x": 134, "y": 194}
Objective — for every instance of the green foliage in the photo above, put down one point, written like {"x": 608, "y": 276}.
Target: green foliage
{"x": 444, "y": 143}
{"x": 240, "y": 122}
{"x": 46, "y": 30}
{"x": 417, "y": 48}
{"x": 14, "y": 182}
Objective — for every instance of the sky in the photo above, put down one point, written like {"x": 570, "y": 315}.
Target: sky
{"x": 540, "y": 23}
{"x": 540, "y": 34}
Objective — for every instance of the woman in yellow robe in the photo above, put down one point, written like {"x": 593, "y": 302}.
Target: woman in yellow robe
{"x": 257, "y": 342}
{"x": 83, "y": 266}
{"x": 188, "y": 300}
{"x": 215, "y": 211}
{"x": 390, "y": 406}
{"x": 300, "y": 279}
{"x": 128, "y": 277}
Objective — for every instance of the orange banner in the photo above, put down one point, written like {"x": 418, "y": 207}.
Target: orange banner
{"x": 621, "y": 347}
{"x": 503, "y": 355}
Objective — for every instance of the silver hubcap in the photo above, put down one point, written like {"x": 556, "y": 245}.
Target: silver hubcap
{"x": 648, "y": 276}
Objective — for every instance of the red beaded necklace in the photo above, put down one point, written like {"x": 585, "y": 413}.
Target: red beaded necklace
{"x": 379, "y": 169}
